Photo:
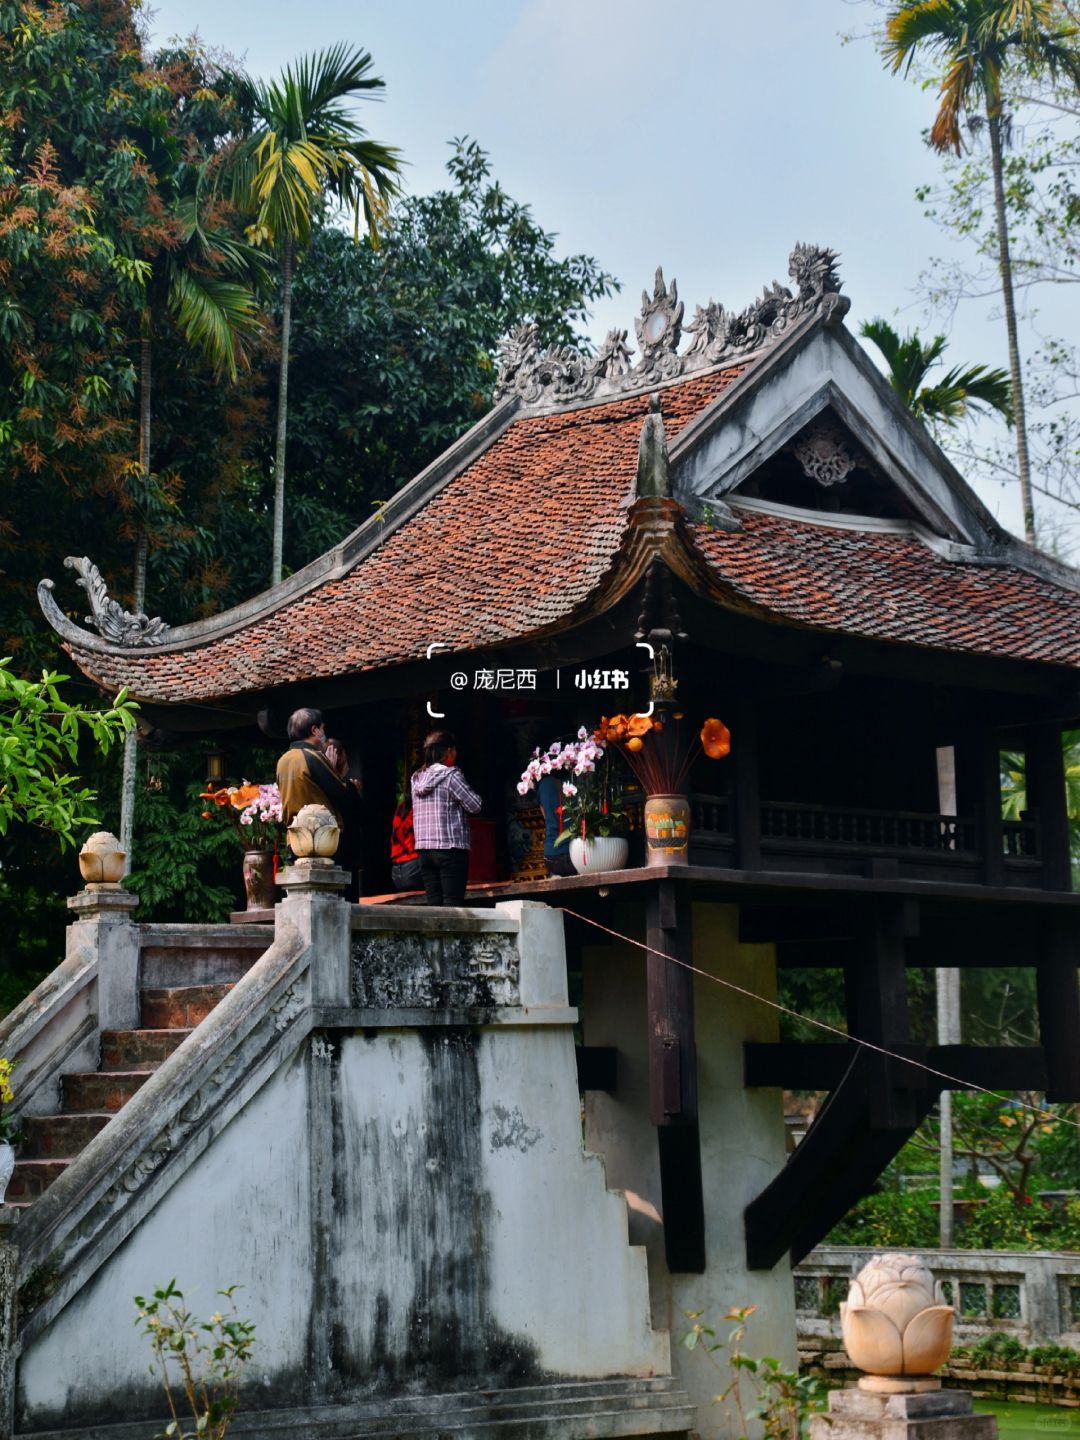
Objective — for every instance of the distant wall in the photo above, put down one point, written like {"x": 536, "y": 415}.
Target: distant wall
{"x": 1031, "y": 1295}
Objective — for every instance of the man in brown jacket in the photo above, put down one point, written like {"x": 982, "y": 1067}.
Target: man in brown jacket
{"x": 304, "y": 775}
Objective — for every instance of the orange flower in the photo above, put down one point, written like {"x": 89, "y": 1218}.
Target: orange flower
{"x": 639, "y": 725}
{"x": 241, "y": 796}
{"x": 219, "y": 797}
{"x": 715, "y": 739}
{"x": 635, "y": 743}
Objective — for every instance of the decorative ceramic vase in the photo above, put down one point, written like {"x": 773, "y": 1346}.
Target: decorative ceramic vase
{"x": 7, "y": 1167}
{"x": 667, "y": 829}
{"x": 259, "y": 879}
{"x": 602, "y": 852}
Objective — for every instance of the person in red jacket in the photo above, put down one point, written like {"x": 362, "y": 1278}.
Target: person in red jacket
{"x": 404, "y": 861}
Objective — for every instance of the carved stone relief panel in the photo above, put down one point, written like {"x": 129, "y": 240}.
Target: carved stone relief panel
{"x": 431, "y": 972}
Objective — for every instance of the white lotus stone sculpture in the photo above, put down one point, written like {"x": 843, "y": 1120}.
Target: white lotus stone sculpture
{"x": 895, "y": 1322}
{"x": 101, "y": 861}
{"x": 314, "y": 833}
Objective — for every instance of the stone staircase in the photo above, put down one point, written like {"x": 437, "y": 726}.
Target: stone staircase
{"x": 184, "y": 972}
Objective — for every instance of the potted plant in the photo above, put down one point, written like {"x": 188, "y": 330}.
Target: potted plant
{"x": 660, "y": 752}
{"x": 254, "y": 812}
{"x": 8, "y": 1125}
{"x": 590, "y": 821}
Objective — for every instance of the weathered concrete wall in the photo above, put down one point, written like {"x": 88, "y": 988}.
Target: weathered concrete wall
{"x": 405, "y": 1199}
{"x": 742, "y": 1138}
{"x": 240, "y": 1215}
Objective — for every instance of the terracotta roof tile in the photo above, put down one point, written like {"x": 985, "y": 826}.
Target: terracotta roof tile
{"x": 892, "y": 587}
{"x": 511, "y": 545}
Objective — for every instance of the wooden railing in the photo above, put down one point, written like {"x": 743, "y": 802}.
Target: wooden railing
{"x": 882, "y": 832}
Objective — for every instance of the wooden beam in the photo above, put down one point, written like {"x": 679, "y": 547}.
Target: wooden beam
{"x": 597, "y": 1067}
{"x": 809, "y": 1066}
{"x": 840, "y": 1157}
{"x": 673, "y": 1090}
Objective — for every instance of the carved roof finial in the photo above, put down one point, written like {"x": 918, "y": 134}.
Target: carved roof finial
{"x": 108, "y": 617}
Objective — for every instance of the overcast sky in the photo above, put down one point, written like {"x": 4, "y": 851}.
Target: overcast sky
{"x": 702, "y": 135}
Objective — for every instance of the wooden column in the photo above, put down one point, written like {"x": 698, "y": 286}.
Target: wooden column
{"x": 978, "y": 783}
{"x": 1059, "y": 1006}
{"x": 746, "y": 792}
{"x": 875, "y": 985}
{"x": 673, "y": 1095}
{"x": 1046, "y": 798}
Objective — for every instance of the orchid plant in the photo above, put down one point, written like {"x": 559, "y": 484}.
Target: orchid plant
{"x": 253, "y": 810}
{"x": 587, "y": 809}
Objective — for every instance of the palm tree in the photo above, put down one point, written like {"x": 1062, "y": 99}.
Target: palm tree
{"x": 953, "y": 395}
{"x": 976, "y": 42}
{"x": 307, "y": 146}
{"x": 206, "y": 280}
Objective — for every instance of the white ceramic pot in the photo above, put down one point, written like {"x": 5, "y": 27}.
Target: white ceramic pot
{"x": 604, "y": 852}
{"x": 7, "y": 1167}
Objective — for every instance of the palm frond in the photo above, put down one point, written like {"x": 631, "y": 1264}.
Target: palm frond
{"x": 979, "y": 385}
{"x": 927, "y": 24}
{"x": 215, "y": 314}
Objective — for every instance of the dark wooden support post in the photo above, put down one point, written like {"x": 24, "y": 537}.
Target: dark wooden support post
{"x": 978, "y": 788}
{"x": 875, "y": 984}
{"x": 1046, "y": 798}
{"x": 673, "y": 1076}
{"x": 746, "y": 793}
{"x": 1059, "y": 1006}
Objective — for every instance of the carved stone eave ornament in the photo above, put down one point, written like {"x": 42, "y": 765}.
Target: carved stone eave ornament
{"x": 561, "y": 374}
{"x": 112, "y": 622}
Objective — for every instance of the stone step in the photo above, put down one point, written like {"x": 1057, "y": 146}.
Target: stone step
{"x": 91, "y": 1091}
{"x": 138, "y": 1049}
{"x": 573, "y": 1410}
{"x": 180, "y": 1007}
{"x": 58, "y": 1137}
{"x": 585, "y": 1410}
{"x": 173, "y": 955}
{"x": 31, "y": 1178}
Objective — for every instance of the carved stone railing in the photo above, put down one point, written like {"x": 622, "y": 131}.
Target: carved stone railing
{"x": 455, "y": 967}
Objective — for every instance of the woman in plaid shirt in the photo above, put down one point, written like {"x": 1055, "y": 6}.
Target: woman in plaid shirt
{"x": 443, "y": 800}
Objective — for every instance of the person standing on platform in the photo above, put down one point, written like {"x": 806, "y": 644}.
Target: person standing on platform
{"x": 443, "y": 800}
{"x": 304, "y": 775}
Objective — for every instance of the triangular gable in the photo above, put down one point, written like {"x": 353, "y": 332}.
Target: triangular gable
{"x": 819, "y": 404}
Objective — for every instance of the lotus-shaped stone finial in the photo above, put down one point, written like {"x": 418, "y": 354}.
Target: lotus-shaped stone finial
{"x": 101, "y": 861}
{"x": 313, "y": 833}
{"x": 895, "y": 1321}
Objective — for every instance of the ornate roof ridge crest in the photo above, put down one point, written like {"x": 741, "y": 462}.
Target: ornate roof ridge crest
{"x": 562, "y": 373}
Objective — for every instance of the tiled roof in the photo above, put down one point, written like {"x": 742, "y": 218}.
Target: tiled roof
{"x": 889, "y": 586}
{"x": 512, "y": 545}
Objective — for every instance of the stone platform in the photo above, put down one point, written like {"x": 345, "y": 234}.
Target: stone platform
{"x": 932, "y": 1415}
